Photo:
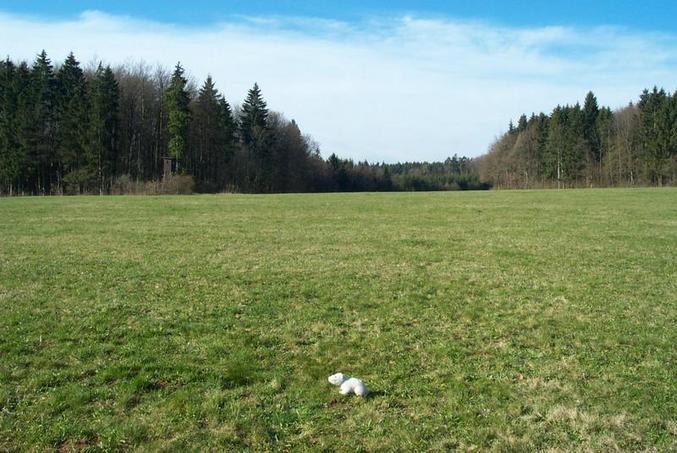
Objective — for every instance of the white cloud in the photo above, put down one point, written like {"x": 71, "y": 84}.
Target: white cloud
{"x": 404, "y": 88}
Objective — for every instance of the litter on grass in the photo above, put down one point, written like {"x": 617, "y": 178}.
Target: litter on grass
{"x": 349, "y": 385}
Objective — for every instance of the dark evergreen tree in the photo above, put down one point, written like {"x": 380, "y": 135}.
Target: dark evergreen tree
{"x": 22, "y": 126}
{"x": 590, "y": 128}
{"x": 671, "y": 172}
{"x": 177, "y": 101}
{"x": 605, "y": 134}
{"x": 656, "y": 133}
{"x": 75, "y": 164}
{"x": 573, "y": 154}
{"x": 10, "y": 158}
{"x": 212, "y": 139}
{"x": 229, "y": 145}
{"x": 542, "y": 128}
{"x": 255, "y": 137}
{"x": 104, "y": 126}
{"x": 38, "y": 128}
{"x": 522, "y": 124}
{"x": 254, "y": 116}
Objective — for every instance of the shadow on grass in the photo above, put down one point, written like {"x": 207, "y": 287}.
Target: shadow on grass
{"x": 345, "y": 399}
{"x": 375, "y": 394}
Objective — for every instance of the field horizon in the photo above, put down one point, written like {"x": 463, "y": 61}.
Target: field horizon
{"x": 511, "y": 320}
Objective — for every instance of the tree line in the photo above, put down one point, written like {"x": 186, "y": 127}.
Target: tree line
{"x": 587, "y": 146}
{"x": 73, "y": 130}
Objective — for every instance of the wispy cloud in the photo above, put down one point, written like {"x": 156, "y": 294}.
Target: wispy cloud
{"x": 403, "y": 88}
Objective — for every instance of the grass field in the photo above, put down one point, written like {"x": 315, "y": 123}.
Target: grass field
{"x": 494, "y": 320}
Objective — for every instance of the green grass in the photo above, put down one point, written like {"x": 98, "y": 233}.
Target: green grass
{"x": 495, "y": 320}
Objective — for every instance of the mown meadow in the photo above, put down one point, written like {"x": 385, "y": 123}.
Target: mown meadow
{"x": 502, "y": 320}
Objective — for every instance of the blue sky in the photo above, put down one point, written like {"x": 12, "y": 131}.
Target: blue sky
{"x": 643, "y": 15}
{"x": 383, "y": 81}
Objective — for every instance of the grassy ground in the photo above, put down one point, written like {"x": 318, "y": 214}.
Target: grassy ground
{"x": 494, "y": 320}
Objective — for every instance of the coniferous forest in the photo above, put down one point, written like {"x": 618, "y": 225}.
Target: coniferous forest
{"x": 135, "y": 128}
{"x": 588, "y": 146}
{"x": 69, "y": 130}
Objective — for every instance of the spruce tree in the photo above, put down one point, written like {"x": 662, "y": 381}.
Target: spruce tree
{"x": 655, "y": 132}
{"x": 104, "y": 126}
{"x": 522, "y": 123}
{"x": 229, "y": 122}
{"x": 605, "y": 131}
{"x": 22, "y": 125}
{"x": 177, "y": 101}
{"x": 573, "y": 156}
{"x": 77, "y": 166}
{"x": 226, "y": 149}
{"x": 590, "y": 127}
{"x": 212, "y": 138}
{"x": 38, "y": 134}
{"x": 542, "y": 126}
{"x": 254, "y": 115}
{"x": 673, "y": 135}
{"x": 255, "y": 137}
{"x": 9, "y": 164}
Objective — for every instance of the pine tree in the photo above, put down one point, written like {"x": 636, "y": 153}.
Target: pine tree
{"x": 655, "y": 132}
{"x": 21, "y": 125}
{"x": 255, "y": 138}
{"x": 673, "y": 135}
{"x": 213, "y": 128}
{"x": 590, "y": 128}
{"x": 9, "y": 155}
{"x": 542, "y": 127}
{"x": 254, "y": 115}
{"x": 605, "y": 130}
{"x": 77, "y": 167}
{"x": 177, "y": 101}
{"x": 673, "y": 141}
{"x": 573, "y": 156}
{"x": 226, "y": 148}
{"x": 38, "y": 127}
{"x": 104, "y": 127}
{"x": 522, "y": 123}
{"x": 230, "y": 124}
{"x": 9, "y": 166}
